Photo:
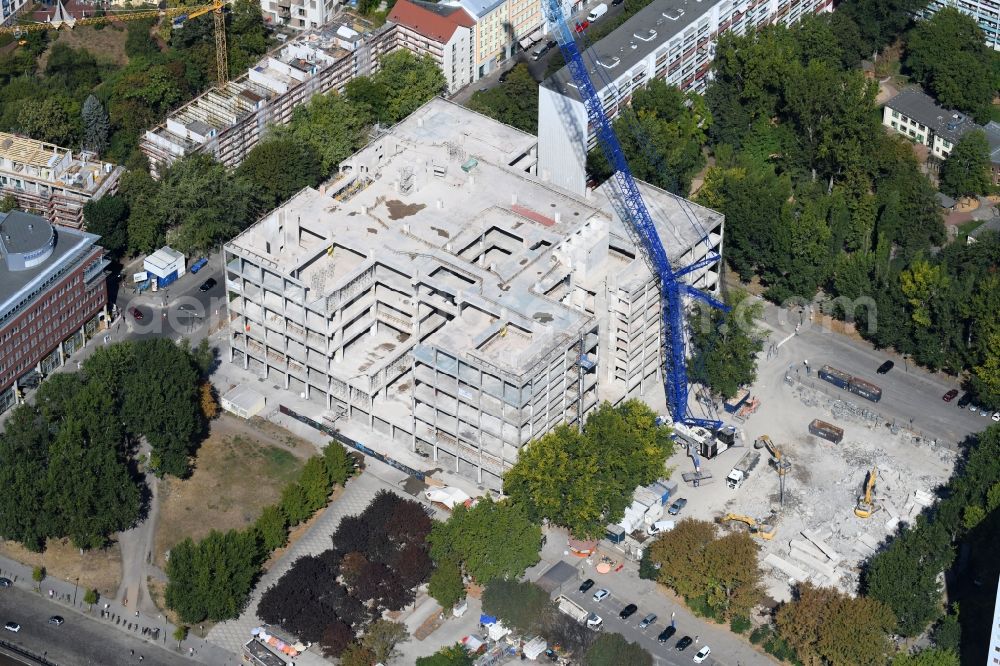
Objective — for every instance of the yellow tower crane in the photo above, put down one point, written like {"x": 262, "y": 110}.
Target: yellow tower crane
{"x": 866, "y": 503}
{"x": 179, "y": 15}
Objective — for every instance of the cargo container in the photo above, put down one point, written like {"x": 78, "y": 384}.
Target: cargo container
{"x": 827, "y": 431}
{"x": 834, "y": 376}
{"x": 865, "y": 389}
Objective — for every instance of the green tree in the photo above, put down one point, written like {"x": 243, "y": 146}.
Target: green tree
{"x": 823, "y": 625}
{"x": 409, "y": 81}
{"x": 492, "y": 540}
{"x": 90, "y": 598}
{"x": 446, "y": 585}
{"x": 246, "y": 36}
{"x": 52, "y": 120}
{"x": 316, "y": 484}
{"x": 357, "y": 654}
{"x": 96, "y": 125}
{"x": 278, "y": 168}
{"x": 108, "y": 218}
{"x": 272, "y": 527}
{"x": 211, "y": 580}
{"x": 948, "y": 632}
{"x": 180, "y": 633}
{"x": 612, "y": 649}
{"x": 514, "y": 102}
{"x": 295, "y": 503}
{"x": 381, "y": 638}
{"x": 333, "y": 125}
{"x": 585, "y": 480}
{"x": 725, "y": 345}
{"x": 880, "y": 21}
{"x": 8, "y": 203}
{"x": 948, "y": 54}
{"x": 927, "y": 657}
{"x": 452, "y": 655}
{"x": 339, "y": 465}
{"x": 966, "y": 170}
{"x": 521, "y": 606}
{"x": 38, "y": 575}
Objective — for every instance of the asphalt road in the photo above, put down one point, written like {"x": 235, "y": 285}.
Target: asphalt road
{"x": 911, "y": 395}
{"x": 179, "y": 310}
{"x": 79, "y": 641}
{"x": 663, "y": 653}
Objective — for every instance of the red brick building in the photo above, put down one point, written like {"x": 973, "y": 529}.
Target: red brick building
{"x": 53, "y": 294}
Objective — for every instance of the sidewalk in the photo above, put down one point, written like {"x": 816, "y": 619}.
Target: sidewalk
{"x": 111, "y": 611}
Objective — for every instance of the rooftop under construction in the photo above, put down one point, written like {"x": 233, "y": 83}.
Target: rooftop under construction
{"x": 439, "y": 293}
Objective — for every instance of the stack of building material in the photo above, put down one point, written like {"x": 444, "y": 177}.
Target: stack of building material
{"x": 786, "y": 567}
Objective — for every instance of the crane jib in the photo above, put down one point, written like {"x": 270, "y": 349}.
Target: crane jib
{"x": 641, "y": 225}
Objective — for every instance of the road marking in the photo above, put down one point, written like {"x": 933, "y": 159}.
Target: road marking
{"x": 790, "y": 336}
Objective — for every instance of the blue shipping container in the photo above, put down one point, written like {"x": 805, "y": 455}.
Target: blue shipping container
{"x": 198, "y": 265}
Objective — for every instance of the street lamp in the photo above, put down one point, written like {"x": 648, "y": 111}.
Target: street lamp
{"x": 77, "y": 587}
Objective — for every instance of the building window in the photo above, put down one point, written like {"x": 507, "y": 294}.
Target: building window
{"x": 895, "y": 114}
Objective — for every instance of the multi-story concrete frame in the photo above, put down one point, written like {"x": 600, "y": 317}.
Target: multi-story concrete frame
{"x": 985, "y": 12}
{"x": 54, "y": 181}
{"x": 53, "y": 291}
{"x": 443, "y": 296}
{"x": 228, "y": 123}
{"x": 672, "y": 40}
{"x": 444, "y": 32}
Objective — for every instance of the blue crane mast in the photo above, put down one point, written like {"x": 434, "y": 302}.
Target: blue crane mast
{"x": 640, "y": 224}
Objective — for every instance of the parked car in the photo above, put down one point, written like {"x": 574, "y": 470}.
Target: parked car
{"x": 885, "y": 367}
{"x": 615, "y": 3}
{"x": 12, "y": 626}
{"x": 503, "y": 77}
{"x": 964, "y": 400}
{"x": 601, "y": 595}
{"x": 628, "y": 611}
{"x": 983, "y": 411}
{"x": 594, "y": 621}
{"x": 648, "y": 620}
{"x": 666, "y": 634}
{"x": 676, "y": 507}
{"x": 973, "y": 407}
{"x": 597, "y": 12}
{"x": 542, "y": 49}
{"x": 207, "y": 284}
{"x": 587, "y": 584}
{"x": 56, "y": 620}
{"x": 996, "y": 416}
{"x": 137, "y": 314}
{"x": 581, "y": 26}
{"x": 199, "y": 264}
{"x": 6, "y": 582}
{"x": 702, "y": 654}
{"x": 950, "y": 395}
{"x": 683, "y": 643}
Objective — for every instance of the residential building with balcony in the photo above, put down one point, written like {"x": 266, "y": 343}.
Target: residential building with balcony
{"x": 439, "y": 298}
{"x": 673, "y": 40}
{"x": 53, "y": 296}
{"x": 443, "y": 32}
{"x": 52, "y": 181}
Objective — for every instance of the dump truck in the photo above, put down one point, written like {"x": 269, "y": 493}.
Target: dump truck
{"x": 741, "y": 470}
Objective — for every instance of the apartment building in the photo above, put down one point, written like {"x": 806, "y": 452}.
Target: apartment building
{"x": 53, "y": 294}
{"x": 439, "y": 298}
{"x": 444, "y": 32}
{"x": 52, "y": 181}
{"x": 985, "y": 12}
{"x": 227, "y": 123}
{"x": 917, "y": 116}
{"x": 10, "y": 8}
{"x": 299, "y": 14}
{"x": 499, "y": 26}
{"x": 673, "y": 40}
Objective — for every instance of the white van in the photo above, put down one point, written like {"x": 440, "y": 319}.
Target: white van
{"x": 598, "y": 11}
{"x": 594, "y": 622}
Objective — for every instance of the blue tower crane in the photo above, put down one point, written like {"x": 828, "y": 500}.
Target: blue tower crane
{"x": 640, "y": 224}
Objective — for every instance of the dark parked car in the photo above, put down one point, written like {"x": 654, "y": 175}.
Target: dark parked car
{"x": 56, "y": 620}
{"x": 885, "y": 367}
{"x": 503, "y": 77}
{"x": 676, "y": 507}
{"x": 683, "y": 643}
{"x": 207, "y": 284}
{"x": 666, "y": 634}
{"x": 5, "y": 582}
{"x": 137, "y": 313}
{"x": 964, "y": 401}
{"x": 628, "y": 611}
{"x": 615, "y": 3}
{"x": 950, "y": 395}
{"x": 587, "y": 584}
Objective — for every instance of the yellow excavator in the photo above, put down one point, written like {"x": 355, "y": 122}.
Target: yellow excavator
{"x": 763, "y": 530}
{"x": 866, "y": 503}
{"x": 778, "y": 462}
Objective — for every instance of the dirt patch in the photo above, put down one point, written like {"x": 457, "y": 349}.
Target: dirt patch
{"x": 241, "y": 468}
{"x": 100, "y": 570}
{"x": 107, "y": 44}
{"x": 398, "y": 210}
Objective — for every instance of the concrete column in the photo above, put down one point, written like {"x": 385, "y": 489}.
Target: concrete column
{"x": 329, "y": 400}
{"x": 286, "y": 375}
{"x": 246, "y": 355}
{"x": 62, "y": 355}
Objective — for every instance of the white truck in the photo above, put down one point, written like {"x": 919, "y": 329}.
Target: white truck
{"x": 741, "y": 470}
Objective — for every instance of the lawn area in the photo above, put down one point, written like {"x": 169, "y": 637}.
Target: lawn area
{"x": 967, "y": 228}
{"x": 107, "y": 44}
{"x": 241, "y": 468}
{"x": 97, "y": 569}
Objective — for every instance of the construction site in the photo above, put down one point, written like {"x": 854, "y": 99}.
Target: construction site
{"x": 817, "y": 506}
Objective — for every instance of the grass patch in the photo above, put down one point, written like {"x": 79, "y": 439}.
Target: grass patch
{"x": 238, "y": 472}
{"x": 100, "y": 570}
{"x": 967, "y": 228}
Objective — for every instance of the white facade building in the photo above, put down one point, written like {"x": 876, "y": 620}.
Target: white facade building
{"x": 445, "y": 301}
{"x": 444, "y": 32}
{"x": 672, "y": 40}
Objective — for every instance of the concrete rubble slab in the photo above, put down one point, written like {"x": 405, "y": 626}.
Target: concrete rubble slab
{"x": 786, "y": 567}
{"x": 819, "y": 541}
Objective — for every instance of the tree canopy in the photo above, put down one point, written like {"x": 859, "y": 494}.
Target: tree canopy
{"x": 585, "y": 480}
{"x": 612, "y": 649}
{"x": 521, "y": 606}
{"x": 514, "y": 102}
{"x": 966, "y": 170}
{"x": 725, "y": 345}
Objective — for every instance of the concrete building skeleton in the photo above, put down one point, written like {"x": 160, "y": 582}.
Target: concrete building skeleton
{"x": 443, "y": 296}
